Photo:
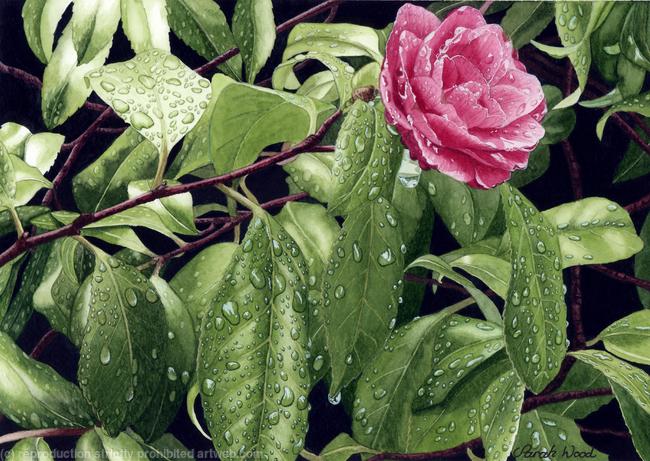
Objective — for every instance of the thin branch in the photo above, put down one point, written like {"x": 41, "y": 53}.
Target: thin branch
{"x": 636, "y": 118}
{"x": 43, "y": 343}
{"x": 639, "y": 205}
{"x": 621, "y": 277}
{"x": 565, "y": 368}
{"x": 574, "y": 169}
{"x": 56, "y": 432}
{"x": 631, "y": 132}
{"x": 537, "y": 401}
{"x": 576, "y": 308}
{"x": 605, "y": 432}
{"x": 310, "y": 13}
{"x": 448, "y": 453}
{"x": 211, "y": 66}
{"x": 451, "y": 286}
{"x": 85, "y": 219}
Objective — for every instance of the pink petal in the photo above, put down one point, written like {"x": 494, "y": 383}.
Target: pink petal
{"x": 463, "y": 17}
{"x": 415, "y": 19}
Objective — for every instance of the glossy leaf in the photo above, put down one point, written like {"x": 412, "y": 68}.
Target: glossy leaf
{"x": 500, "y": 414}
{"x": 104, "y": 182}
{"x": 203, "y": 27}
{"x": 198, "y": 281}
{"x": 312, "y": 173}
{"x": 467, "y": 212}
{"x": 7, "y": 179}
{"x": 635, "y": 35}
{"x": 336, "y": 39}
{"x": 153, "y": 106}
{"x": 168, "y": 448}
{"x": 261, "y": 306}
{"x": 321, "y": 86}
{"x": 37, "y": 150}
{"x": 631, "y": 379}
{"x": 123, "y": 347}
{"x": 593, "y": 231}
{"x": 145, "y": 24}
{"x": 175, "y": 212}
{"x": 535, "y": 312}
{"x": 557, "y": 436}
{"x": 460, "y": 345}
{"x": 491, "y": 270}
{"x": 35, "y": 396}
{"x": 629, "y": 337}
{"x": 246, "y": 119}
{"x": 538, "y": 163}
{"x": 642, "y": 263}
{"x": 366, "y": 159}
{"x": 361, "y": 289}
{"x": 180, "y": 361}
{"x": 559, "y": 123}
{"x": 388, "y": 385}
{"x": 64, "y": 89}
{"x": 635, "y": 162}
{"x": 119, "y": 235}
{"x": 40, "y": 20}
{"x": 94, "y": 23}
{"x": 526, "y": 20}
{"x": 30, "y": 449}
{"x": 639, "y": 104}
{"x": 342, "y": 448}
{"x": 636, "y": 419}
{"x": 29, "y": 181}
{"x": 254, "y": 29}
{"x": 8, "y": 278}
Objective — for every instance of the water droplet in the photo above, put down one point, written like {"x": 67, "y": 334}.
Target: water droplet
{"x": 339, "y": 292}
{"x": 105, "y": 355}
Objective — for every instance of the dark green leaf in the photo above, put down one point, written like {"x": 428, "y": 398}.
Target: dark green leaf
{"x": 642, "y": 262}
{"x": 559, "y": 123}
{"x": 203, "y": 27}
{"x": 535, "y": 312}
{"x": 123, "y": 347}
{"x": 254, "y": 29}
{"x": 260, "y": 307}
{"x": 35, "y": 396}
{"x": 538, "y": 163}
{"x": 639, "y": 104}
{"x": 636, "y": 419}
{"x": 442, "y": 8}
{"x": 362, "y": 288}
{"x": 635, "y": 35}
{"x": 526, "y": 20}
{"x": 636, "y": 161}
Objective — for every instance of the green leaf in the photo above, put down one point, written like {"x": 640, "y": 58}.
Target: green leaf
{"x": 629, "y": 337}
{"x": 467, "y": 212}
{"x": 642, "y": 263}
{"x": 31, "y": 449}
{"x": 342, "y": 72}
{"x": 89, "y": 447}
{"x": 64, "y": 89}
{"x": 580, "y": 377}
{"x": 635, "y": 36}
{"x": 321, "y": 86}
{"x": 150, "y": 101}
{"x": 336, "y": 39}
{"x": 197, "y": 283}
{"x": 40, "y": 20}
{"x": 456, "y": 420}
{"x": 342, "y": 448}
{"x": 442, "y": 269}
{"x": 361, "y": 289}
{"x": 180, "y": 362}
{"x": 246, "y": 119}
{"x": 175, "y": 211}
{"x": 21, "y": 306}
{"x": 34, "y": 396}
{"x": 526, "y": 20}
{"x": 594, "y": 230}
{"x": 104, "y": 182}
{"x": 460, "y": 345}
{"x": 368, "y": 75}
{"x": 559, "y": 437}
{"x": 442, "y": 8}
{"x": 538, "y": 163}
{"x": 122, "y": 447}
{"x": 558, "y": 124}
{"x": 605, "y": 48}
{"x": 68, "y": 265}
{"x": 254, "y": 29}
{"x": 366, "y": 159}
{"x": 261, "y": 307}
{"x": 636, "y": 419}
{"x": 26, "y": 215}
{"x": 145, "y": 24}
{"x": 37, "y": 150}
{"x": 631, "y": 379}
{"x": 7, "y": 179}
{"x": 203, "y": 27}
{"x": 535, "y": 312}
{"x": 14, "y": 137}
{"x": 94, "y": 23}
{"x": 388, "y": 385}
{"x": 312, "y": 173}
{"x": 499, "y": 415}
{"x": 29, "y": 181}
{"x": 635, "y": 163}
{"x": 8, "y": 277}
{"x": 639, "y": 104}
{"x": 168, "y": 448}
{"x": 491, "y": 270}
{"x": 123, "y": 348}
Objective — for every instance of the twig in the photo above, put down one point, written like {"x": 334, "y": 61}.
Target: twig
{"x": 639, "y": 122}
{"x": 537, "y": 401}
{"x": 574, "y": 169}
{"x": 605, "y": 432}
{"x": 75, "y": 227}
{"x": 43, "y": 343}
{"x": 448, "y": 453}
{"x": 211, "y": 66}
{"x": 621, "y": 277}
{"x": 576, "y": 308}
{"x": 55, "y": 432}
{"x": 631, "y": 132}
{"x": 310, "y": 13}
{"x": 486, "y": 6}
{"x": 451, "y": 286}
{"x": 639, "y": 205}
{"x": 565, "y": 368}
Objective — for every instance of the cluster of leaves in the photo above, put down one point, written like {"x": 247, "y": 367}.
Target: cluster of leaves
{"x": 316, "y": 292}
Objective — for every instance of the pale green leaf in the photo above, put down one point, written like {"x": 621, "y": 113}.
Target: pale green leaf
{"x": 168, "y": 448}
{"x": 145, "y": 24}
{"x": 321, "y": 86}
{"x": 94, "y": 23}
{"x": 29, "y": 181}
{"x": 203, "y": 27}
{"x": 261, "y": 306}
{"x": 361, "y": 289}
{"x": 342, "y": 448}
{"x": 636, "y": 419}
{"x": 312, "y": 173}
{"x": 639, "y": 104}
{"x": 629, "y": 337}
{"x": 14, "y": 136}
{"x": 119, "y": 235}
{"x": 34, "y": 396}
{"x": 491, "y": 270}
{"x": 121, "y": 447}
{"x": 38, "y": 150}
{"x": 150, "y": 101}
{"x": 7, "y": 179}
{"x": 40, "y": 20}
{"x": 8, "y": 277}
{"x": 30, "y": 449}
{"x": 123, "y": 347}
{"x": 253, "y": 26}
{"x": 535, "y": 312}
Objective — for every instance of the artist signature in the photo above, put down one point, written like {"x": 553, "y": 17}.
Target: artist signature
{"x": 569, "y": 451}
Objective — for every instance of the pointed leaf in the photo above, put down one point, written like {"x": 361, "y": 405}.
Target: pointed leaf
{"x": 31, "y": 449}
{"x": 636, "y": 419}
{"x": 145, "y": 24}
{"x": 642, "y": 263}
{"x": 175, "y": 212}
{"x": 526, "y": 20}
{"x": 342, "y": 448}
{"x": 312, "y": 173}
{"x": 635, "y": 36}
{"x": 94, "y": 23}
{"x": 40, "y": 19}
{"x": 254, "y": 29}
{"x": 491, "y": 270}
{"x": 336, "y": 39}
{"x": 639, "y": 104}
{"x": 629, "y": 337}
{"x": 535, "y": 312}
{"x": 636, "y": 161}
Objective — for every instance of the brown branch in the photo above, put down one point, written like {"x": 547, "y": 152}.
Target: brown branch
{"x": 574, "y": 168}
{"x": 43, "y": 343}
{"x": 639, "y": 205}
{"x": 448, "y": 453}
{"x": 55, "y": 432}
{"x": 565, "y": 368}
{"x": 211, "y": 66}
{"x": 576, "y": 308}
{"x": 636, "y": 118}
{"x": 621, "y": 277}
{"x": 310, "y": 13}
{"x": 26, "y": 242}
{"x": 605, "y": 432}
{"x": 631, "y": 132}
{"x": 536, "y": 401}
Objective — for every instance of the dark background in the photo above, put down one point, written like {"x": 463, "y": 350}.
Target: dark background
{"x": 604, "y": 300}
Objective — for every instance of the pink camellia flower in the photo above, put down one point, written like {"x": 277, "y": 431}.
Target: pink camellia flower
{"x": 459, "y": 96}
